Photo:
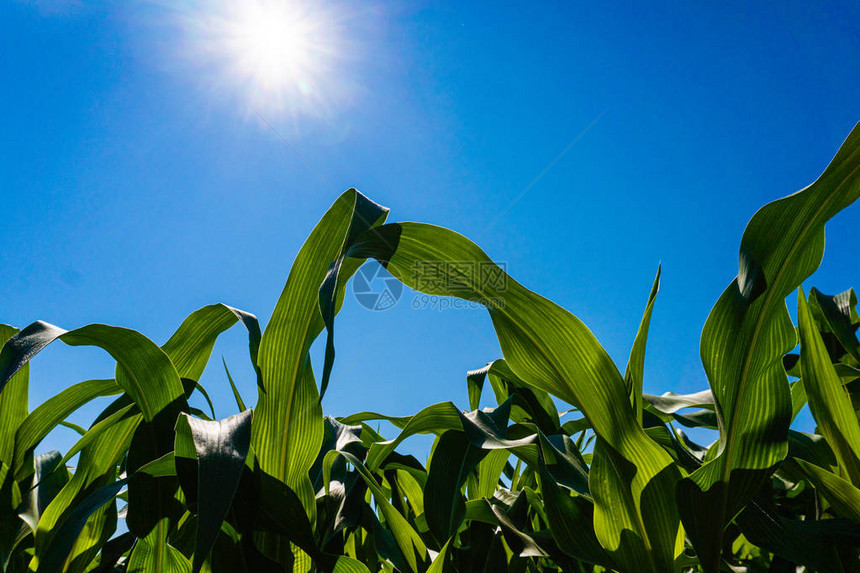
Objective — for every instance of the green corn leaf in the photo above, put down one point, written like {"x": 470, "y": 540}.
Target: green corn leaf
{"x": 151, "y": 500}
{"x": 570, "y": 519}
{"x": 475, "y": 385}
{"x": 489, "y": 472}
{"x": 288, "y": 424}
{"x": 96, "y": 470}
{"x": 551, "y": 349}
{"x": 143, "y": 370}
{"x": 221, "y": 448}
{"x": 13, "y": 402}
{"x": 238, "y": 397}
{"x": 669, "y": 402}
{"x": 521, "y": 543}
{"x": 51, "y": 412}
{"x": 162, "y": 467}
{"x": 840, "y": 493}
{"x": 365, "y": 215}
{"x": 72, "y": 426}
{"x": 829, "y": 402}
{"x": 49, "y": 478}
{"x": 744, "y": 339}
{"x": 634, "y": 375}
{"x": 438, "y": 565}
{"x": 52, "y": 558}
{"x": 408, "y": 541}
{"x": 199, "y": 387}
{"x": 839, "y": 313}
{"x": 151, "y": 554}
{"x": 11, "y": 526}
{"x": 191, "y": 345}
{"x": 96, "y": 430}
{"x": 530, "y": 404}
{"x": 432, "y": 419}
{"x": 454, "y": 459}
{"x": 811, "y": 543}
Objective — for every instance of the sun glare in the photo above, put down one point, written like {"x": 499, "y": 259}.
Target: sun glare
{"x": 278, "y": 56}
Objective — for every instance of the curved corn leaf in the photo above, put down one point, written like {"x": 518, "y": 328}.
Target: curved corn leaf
{"x": 530, "y": 404}
{"x": 436, "y": 419}
{"x": 744, "y": 339}
{"x": 288, "y": 423}
{"x": 143, "y": 370}
{"x": 669, "y": 402}
{"x": 365, "y": 215}
{"x": 96, "y": 431}
{"x": 191, "y": 345}
{"x": 553, "y": 350}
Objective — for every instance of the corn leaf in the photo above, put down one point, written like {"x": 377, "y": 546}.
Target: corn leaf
{"x": 829, "y": 402}
{"x": 143, "y": 370}
{"x": 744, "y": 339}
{"x": 221, "y": 449}
{"x": 634, "y": 375}
{"x": 553, "y": 350}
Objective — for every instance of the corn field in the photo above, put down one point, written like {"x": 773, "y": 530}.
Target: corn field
{"x": 616, "y": 486}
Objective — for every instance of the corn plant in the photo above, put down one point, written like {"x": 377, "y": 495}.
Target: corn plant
{"x": 611, "y": 484}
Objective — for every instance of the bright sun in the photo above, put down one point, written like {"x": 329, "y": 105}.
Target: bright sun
{"x": 280, "y": 56}
{"x": 275, "y": 45}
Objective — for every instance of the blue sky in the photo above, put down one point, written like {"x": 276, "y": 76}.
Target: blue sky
{"x": 143, "y": 176}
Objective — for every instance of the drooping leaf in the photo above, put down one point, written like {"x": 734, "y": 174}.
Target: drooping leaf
{"x": 552, "y": 350}
{"x": 143, "y": 370}
{"x": 191, "y": 345}
{"x": 288, "y": 422}
{"x": 365, "y": 215}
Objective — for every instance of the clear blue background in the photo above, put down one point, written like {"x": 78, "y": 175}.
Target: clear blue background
{"x": 133, "y": 194}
